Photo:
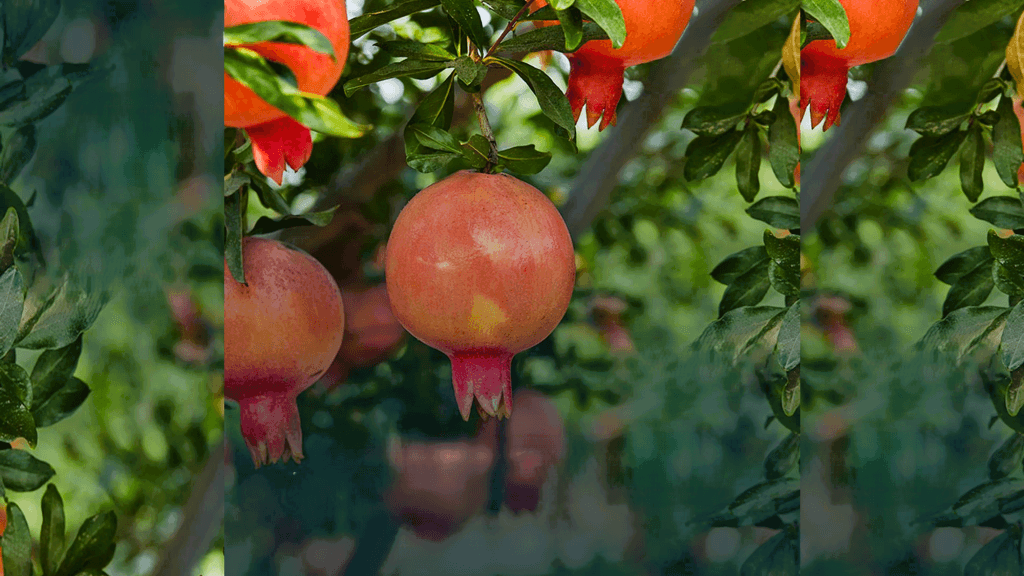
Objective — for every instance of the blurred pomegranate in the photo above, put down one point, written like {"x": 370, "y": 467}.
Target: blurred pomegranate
{"x": 193, "y": 346}
{"x": 607, "y": 313}
{"x": 440, "y": 485}
{"x": 831, "y": 312}
{"x": 327, "y": 557}
{"x": 536, "y": 445}
{"x": 372, "y": 333}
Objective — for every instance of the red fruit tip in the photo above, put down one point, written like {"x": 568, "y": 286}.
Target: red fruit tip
{"x": 822, "y": 89}
{"x": 485, "y": 375}
{"x": 596, "y": 84}
{"x": 279, "y": 142}
{"x": 270, "y": 427}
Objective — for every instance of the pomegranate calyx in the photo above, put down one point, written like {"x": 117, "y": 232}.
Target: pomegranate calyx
{"x": 597, "y": 84}
{"x": 485, "y": 375}
{"x": 271, "y": 428}
{"x": 823, "y": 89}
{"x": 279, "y": 142}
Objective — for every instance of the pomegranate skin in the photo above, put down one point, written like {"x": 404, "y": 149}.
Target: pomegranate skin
{"x": 480, "y": 267}
{"x": 316, "y": 73}
{"x": 282, "y": 329}
{"x": 877, "y": 28}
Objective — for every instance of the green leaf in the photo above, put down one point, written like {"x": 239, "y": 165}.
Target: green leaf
{"x": 508, "y": 9}
{"x": 962, "y": 329}
{"x": 1001, "y": 211}
{"x": 464, "y": 12}
{"x": 25, "y": 22}
{"x": 936, "y": 120}
{"x": 524, "y": 159}
{"x": 760, "y": 501}
{"x": 748, "y": 289}
{"x": 279, "y": 31}
{"x": 778, "y": 556}
{"x": 8, "y": 239}
{"x": 571, "y": 21}
{"x": 972, "y": 163}
{"x": 548, "y": 38}
{"x": 39, "y": 104}
{"x": 784, "y": 251}
{"x": 316, "y": 112}
{"x": 436, "y": 108}
{"x": 93, "y": 546}
{"x": 929, "y": 155}
{"x": 368, "y": 21}
{"x": 714, "y": 120}
{"x": 477, "y": 151}
{"x": 748, "y": 164}
{"x": 267, "y": 225}
{"x": 234, "y": 181}
{"x": 553, "y": 102}
{"x": 52, "y": 371}
{"x": 971, "y": 17}
{"x": 28, "y": 242}
{"x": 52, "y": 535}
{"x": 777, "y": 211}
{"x": 1014, "y": 397}
{"x": 705, "y": 155}
{"x": 19, "y": 145}
{"x": 61, "y": 403}
{"x": 784, "y": 458}
{"x": 737, "y": 264}
{"x": 788, "y": 346}
{"x": 54, "y": 318}
{"x": 22, "y": 472}
{"x": 417, "y": 50}
{"x": 401, "y": 69}
{"x": 431, "y": 162}
{"x": 434, "y": 138}
{"x": 16, "y": 542}
{"x": 832, "y": 16}
{"x": 1007, "y": 282}
{"x": 234, "y": 214}
{"x": 1007, "y": 152}
{"x": 1008, "y": 251}
{"x": 16, "y": 380}
{"x": 607, "y": 15}
{"x": 971, "y": 289}
{"x": 749, "y": 17}
{"x": 783, "y": 147}
{"x": 1013, "y": 338}
{"x": 962, "y": 263}
{"x": 12, "y": 304}
{"x": 1001, "y": 555}
{"x": 1007, "y": 458}
{"x": 740, "y": 330}
{"x": 15, "y": 422}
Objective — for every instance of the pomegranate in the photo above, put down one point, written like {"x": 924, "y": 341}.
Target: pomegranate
{"x": 596, "y": 69}
{"x": 1019, "y": 110}
{"x": 536, "y": 444}
{"x": 480, "y": 267}
{"x": 440, "y": 485}
{"x": 372, "y": 333}
{"x": 607, "y": 313}
{"x": 285, "y": 141}
{"x": 876, "y": 29}
{"x": 282, "y": 329}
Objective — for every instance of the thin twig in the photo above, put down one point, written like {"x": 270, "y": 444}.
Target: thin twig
{"x": 485, "y": 129}
{"x": 511, "y": 25}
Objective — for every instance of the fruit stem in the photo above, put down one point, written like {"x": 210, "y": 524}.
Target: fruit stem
{"x": 488, "y": 133}
{"x": 511, "y": 25}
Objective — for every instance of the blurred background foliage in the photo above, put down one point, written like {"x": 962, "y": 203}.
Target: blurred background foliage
{"x": 657, "y": 437}
{"x": 894, "y": 433}
{"x": 126, "y": 194}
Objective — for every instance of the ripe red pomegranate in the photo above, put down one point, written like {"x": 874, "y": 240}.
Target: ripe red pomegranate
{"x": 596, "y": 69}
{"x": 480, "y": 267}
{"x": 276, "y": 138}
{"x": 876, "y": 29}
{"x": 607, "y": 313}
{"x": 372, "y": 333}
{"x": 536, "y": 444}
{"x": 440, "y": 485}
{"x": 282, "y": 329}
{"x": 1019, "y": 110}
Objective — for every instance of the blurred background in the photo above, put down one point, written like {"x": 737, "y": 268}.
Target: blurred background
{"x": 634, "y": 437}
{"x": 126, "y": 194}
{"x": 892, "y": 434}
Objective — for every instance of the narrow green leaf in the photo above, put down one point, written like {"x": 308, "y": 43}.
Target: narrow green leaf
{"x": 1007, "y": 151}
{"x": 267, "y": 225}
{"x": 962, "y": 263}
{"x": 572, "y": 25}
{"x": 777, "y": 211}
{"x": 737, "y": 264}
{"x": 52, "y": 536}
{"x": 788, "y": 346}
{"x": 12, "y": 305}
{"x": 972, "y": 163}
{"x": 434, "y": 138}
{"x": 402, "y": 69}
{"x": 971, "y": 289}
{"x": 93, "y": 546}
{"x": 8, "y": 239}
{"x": 747, "y": 289}
{"x": 936, "y": 121}
{"x": 1013, "y": 338}
{"x": 748, "y": 164}
{"x": 61, "y": 404}
{"x": 705, "y": 155}
{"x": 548, "y": 38}
{"x": 19, "y": 145}
{"x": 234, "y": 211}
{"x": 279, "y": 31}
{"x": 16, "y": 542}
{"x": 784, "y": 458}
{"x": 783, "y": 148}
{"x": 368, "y": 21}
{"x": 553, "y": 102}
{"x": 714, "y": 120}
{"x": 930, "y": 155}
{"x": 39, "y": 104}
{"x": 831, "y": 15}
{"x": 464, "y": 12}
{"x": 524, "y": 159}
{"x": 22, "y": 472}
{"x": 52, "y": 371}
{"x": 1001, "y": 211}
{"x": 607, "y": 15}
{"x": 25, "y": 22}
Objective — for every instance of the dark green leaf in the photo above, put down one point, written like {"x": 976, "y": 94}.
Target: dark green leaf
{"x": 971, "y": 289}
{"x": 961, "y": 330}
{"x": 572, "y": 25}
{"x": 368, "y": 21}
{"x": 464, "y": 12}
{"x": 548, "y": 38}
{"x": 417, "y": 50}
{"x": 267, "y": 225}
{"x": 929, "y": 155}
{"x": 1001, "y": 555}
{"x": 54, "y": 318}
{"x": 279, "y": 31}
{"x": 52, "y": 535}
{"x": 748, "y": 17}
{"x": 748, "y": 164}
{"x": 970, "y": 17}
{"x": 8, "y": 239}
{"x": 737, "y": 264}
{"x": 785, "y": 251}
{"x": 1013, "y": 338}
{"x": 784, "y": 458}
{"x": 1014, "y": 397}
{"x": 607, "y": 15}
{"x": 714, "y": 120}
{"x": 436, "y": 108}
{"x": 15, "y": 422}
{"x": 477, "y": 151}
{"x": 778, "y": 556}
{"x": 507, "y": 9}
{"x": 936, "y": 120}
{"x": 93, "y": 546}
{"x": 788, "y": 346}
{"x": 962, "y": 263}
{"x": 972, "y": 163}
{"x": 760, "y": 501}
{"x": 705, "y": 155}
{"x": 12, "y": 303}
{"x": 315, "y": 112}
{"x": 777, "y": 211}
{"x": 28, "y": 242}
{"x": 25, "y": 22}
{"x": 470, "y": 73}
{"x": 524, "y": 159}
{"x": 61, "y": 403}
{"x": 402, "y": 69}
{"x": 18, "y": 147}
{"x": 234, "y": 217}
{"x": 16, "y": 542}
{"x": 1007, "y": 152}
{"x": 22, "y": 472}
{"x": 234, "y": 181}
{"x": 39, "y": 104}
{"x": 1008, "y": 251}
{"x": 16, "y": 380}
{"x": 740, "y": 330}
{"x": 783, "y": 148}
{"x": 552, "y": 101}
{"x": 52, "y": 371}
{"x": 434, "y": 138}
{"x": 1007, "y": 282}
{"x": 832, "y": 16}
{"x": 748, "y": 289}
{"x": 431, "y": 162}
{"x": 1001, "y": 211}
{"x": 784, "y": 280}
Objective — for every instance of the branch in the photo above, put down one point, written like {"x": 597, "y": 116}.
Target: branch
{"x": 600, "y": 174}
{"x": 891, "y": 77}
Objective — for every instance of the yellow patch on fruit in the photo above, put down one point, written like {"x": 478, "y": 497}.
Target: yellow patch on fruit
{"x": 485, "y": 315}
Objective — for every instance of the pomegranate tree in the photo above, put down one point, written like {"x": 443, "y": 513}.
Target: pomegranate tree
{"x": 481, "y": 267}
{"x": 596, "y": 69}
{"x": 876, "y": 29}
{"x": 282, "y": 329}
{"x": 276, "y": 138}
{"x": 536, "y": 444}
